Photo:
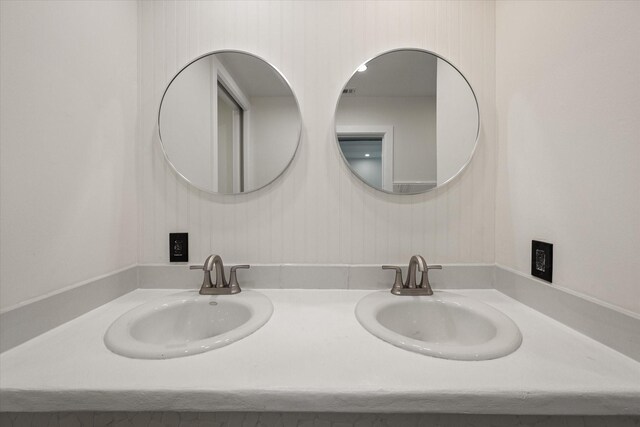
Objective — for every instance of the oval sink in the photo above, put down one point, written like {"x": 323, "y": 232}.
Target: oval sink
{"x": 445, "y": 325}
{"x": 187, "y": 323}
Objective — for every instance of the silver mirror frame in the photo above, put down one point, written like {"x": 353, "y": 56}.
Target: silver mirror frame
{"x": 279, "y": 73}
{"x": 475, "y": 145}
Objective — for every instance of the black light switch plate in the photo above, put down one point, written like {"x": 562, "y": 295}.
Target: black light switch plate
{"x": 179, "y": 247}
{"x": 542, "y": 260}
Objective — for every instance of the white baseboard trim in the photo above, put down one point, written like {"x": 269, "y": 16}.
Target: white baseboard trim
{"x": 32, "y": 318}
{"x": 318, "y": 276}
{"x": 605, "y": 323}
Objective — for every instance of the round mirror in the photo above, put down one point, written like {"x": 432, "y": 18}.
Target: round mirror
{"x": 229, "y": 123}
{"x": 407, "y": 122}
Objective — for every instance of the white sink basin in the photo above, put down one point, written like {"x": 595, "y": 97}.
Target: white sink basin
{"x": 187, "y": 323}
{"x": 444, "y": 325}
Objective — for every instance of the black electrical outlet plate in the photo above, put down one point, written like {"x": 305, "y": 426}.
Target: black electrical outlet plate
{"x": 542, "y": 260}
{"x": 179, "y": 247}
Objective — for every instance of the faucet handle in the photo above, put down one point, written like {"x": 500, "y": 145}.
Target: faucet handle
{"x": 397, "y": 283}
{"x": 434, "y": 267}
{"x": 206, "y": 281}
{"x": 233, "y": 279}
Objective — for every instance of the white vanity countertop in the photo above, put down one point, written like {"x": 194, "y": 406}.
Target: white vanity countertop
{"x": 313, "y": 355}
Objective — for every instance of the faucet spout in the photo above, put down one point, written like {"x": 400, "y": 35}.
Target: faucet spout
{"x": 416, "y": 262}
{"x": 209, "y": 263}
{"x": 215, "y": 262}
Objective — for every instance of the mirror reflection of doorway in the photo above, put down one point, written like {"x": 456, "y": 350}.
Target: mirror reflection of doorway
{"x": 230, "y": 141}
{"x": 364, "y": 154}
{"x": 369, "y": 153}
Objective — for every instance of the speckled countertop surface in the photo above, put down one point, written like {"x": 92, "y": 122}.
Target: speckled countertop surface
{"x": 313, "y": 355}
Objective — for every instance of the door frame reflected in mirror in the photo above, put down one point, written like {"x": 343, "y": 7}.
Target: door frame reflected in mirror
{"x": 385, "y": 188}
{"x": 241, "y": 151}
{"x": 386, "y": 135}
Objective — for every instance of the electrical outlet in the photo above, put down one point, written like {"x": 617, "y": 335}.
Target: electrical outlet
{"x": 179, "y": 247}
{"x": 542, "y": 260}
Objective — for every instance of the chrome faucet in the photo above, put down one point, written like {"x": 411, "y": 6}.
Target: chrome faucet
{"x": 411, "y": 287}
{"x": 221, "y": 286}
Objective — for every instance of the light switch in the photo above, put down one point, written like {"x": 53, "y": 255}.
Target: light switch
{"x": 179, "y": 247}
{"x": 542, "y": 260}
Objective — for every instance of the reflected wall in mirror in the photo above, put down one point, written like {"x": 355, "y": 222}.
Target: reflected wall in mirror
{"x": 229, "y": 123}
{"x": 407, "y": 121}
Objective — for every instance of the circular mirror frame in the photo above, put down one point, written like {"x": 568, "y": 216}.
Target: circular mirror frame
{"x": 475, "y": 144}
{"x": 284, "y": 79}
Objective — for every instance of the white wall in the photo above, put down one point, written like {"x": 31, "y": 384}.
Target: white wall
{"x": 414, "y": 130}
{"x": 457, "y": 122}
{"x": 568, "y": 97}
{"x": 567, "y": 105}
{"x": 317, "y": 212}
{"x": 67, "y": 138}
